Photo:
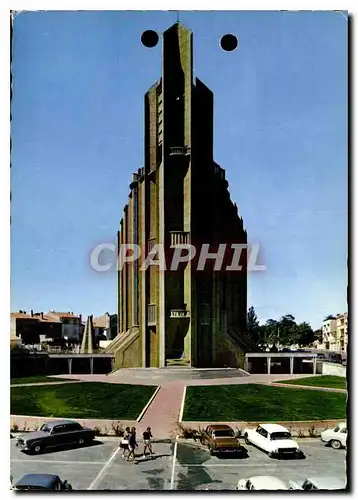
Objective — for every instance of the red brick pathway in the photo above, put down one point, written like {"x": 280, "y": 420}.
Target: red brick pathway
{"x": 163, "y": 413}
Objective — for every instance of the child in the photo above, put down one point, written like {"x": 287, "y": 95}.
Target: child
{"x": 125, "y": 442}
{"x": 132, "y": 444}
{"x": 147, "y": 436}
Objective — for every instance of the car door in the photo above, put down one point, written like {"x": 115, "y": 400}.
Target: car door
{"x": 259, "y": 437}
{"x": 255, "y": 436}
{"x": 264, "y": 440}
{"x": 72, "y": 433}
{"x": 59, "y": 435}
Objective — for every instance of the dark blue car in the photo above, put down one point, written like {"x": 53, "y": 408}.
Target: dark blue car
{"x": 35, "y": 482}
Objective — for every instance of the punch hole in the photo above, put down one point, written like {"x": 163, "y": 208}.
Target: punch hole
{"x": 149, "y": 38}
{"x": 228, "y": 42}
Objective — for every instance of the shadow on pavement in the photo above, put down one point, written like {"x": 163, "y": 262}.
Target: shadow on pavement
{"x": 195, "y": 476}
{"x": 140, "y": 459}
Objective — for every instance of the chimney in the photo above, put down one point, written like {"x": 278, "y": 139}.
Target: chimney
{"x": 32, "y": 313}
{"x": 42, "y": 315}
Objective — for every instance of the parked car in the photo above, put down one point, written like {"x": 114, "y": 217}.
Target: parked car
{"x": 319, "y": 483}
{"x": 262, "y": 483}
{"x": 275, "y": 439}
{"x": 221, "y": 439}
{"x": 337, "y": 437}
{"x": 54, "y": 434}
{"x": 35, "y": 482}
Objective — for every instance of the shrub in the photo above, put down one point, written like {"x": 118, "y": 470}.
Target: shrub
{"x": 188, "y": 432}
{"x": 237, "y": 432}
{"x": 301, "y": 433}
{"x": 97, "y": 431}
{"x": 14, "y": 428}
{"x": 312, "y": 432}
{"x": 117, "y": 429}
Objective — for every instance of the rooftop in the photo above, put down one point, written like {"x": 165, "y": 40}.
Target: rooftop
{"x": 37, "y": 480}
{"x": 274, "y": 428}
{"x": 268, "y": 483}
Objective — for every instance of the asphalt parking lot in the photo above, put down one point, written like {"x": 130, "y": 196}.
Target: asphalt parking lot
{"x": 173, "y": 467}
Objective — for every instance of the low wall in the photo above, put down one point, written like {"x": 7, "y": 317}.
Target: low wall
{"x": 305, "y": 428}
{"x": 29, "y": 423}
{"x": 333, "y": 369}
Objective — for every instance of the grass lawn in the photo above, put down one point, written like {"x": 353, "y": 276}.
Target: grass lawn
{"x": 254, "y": 402}
{"x": 35, "y": 379}
{"x": 82, "y": 400}
{"x": 320, "y": 381}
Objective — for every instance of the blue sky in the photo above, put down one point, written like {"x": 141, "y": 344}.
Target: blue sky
{"x": 280, "y": 132}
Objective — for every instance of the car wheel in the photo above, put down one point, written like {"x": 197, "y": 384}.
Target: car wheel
{"x": 81, "y": 442}
{"x": 246, "y": 439}
{"x": 37, "y": 448}
{"x": 271, "y": 454}
{"x": 336, "y": 444}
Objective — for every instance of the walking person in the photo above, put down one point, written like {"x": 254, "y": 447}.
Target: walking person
{"x": 132, "y": 444}
{"x": 147, "y": 439}
{"x": 125, "y": 442}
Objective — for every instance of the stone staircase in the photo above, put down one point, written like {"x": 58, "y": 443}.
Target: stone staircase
{"x": 122, "y": 340}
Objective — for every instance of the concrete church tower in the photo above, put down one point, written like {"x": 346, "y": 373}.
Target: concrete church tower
{"x": 186, "y": 317}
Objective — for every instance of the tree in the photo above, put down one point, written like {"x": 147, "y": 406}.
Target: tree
{"x": 253, "y": 325}
{"x": 270, "y": 332}
{"x": 305, "y": 334}
{"x": 330, "y": 316}
{"x": 287, "y": 329}
{"x": 318, "y": 335}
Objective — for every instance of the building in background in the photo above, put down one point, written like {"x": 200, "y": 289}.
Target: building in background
{"x": 180, "y": 196}
{"x": 71, "y": 325}
{"x": 335, "y": 333}
{"x": 106, "y": 325}
{"x": 34, "y": 328}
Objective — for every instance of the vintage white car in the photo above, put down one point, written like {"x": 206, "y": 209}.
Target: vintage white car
{"x": 275, "y": 439}
{"x": 262, "y": 483}
{"x": 336, "y": 437}
{"x": 319, "y": 483}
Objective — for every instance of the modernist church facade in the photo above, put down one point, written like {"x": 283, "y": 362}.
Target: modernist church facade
{"x": 184, "y": 316}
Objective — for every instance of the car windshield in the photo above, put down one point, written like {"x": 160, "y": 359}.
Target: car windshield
{"x": 45, "y": 428}
{"x": 224, "y": 433}
{"x": 280, "y": 435}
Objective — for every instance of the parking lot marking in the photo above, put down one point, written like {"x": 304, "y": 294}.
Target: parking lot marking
{"x": 101, "y": 472}
{"x": 248, "y": 464}
{"x": 173, "y": 467}
{"x": 65, "y": 462}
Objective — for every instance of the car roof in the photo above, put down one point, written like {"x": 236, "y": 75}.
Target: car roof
{"x": 327, "y": 482}
{"x": 60, "y": 422}
{"x": 220, "y": 427}
{"x": 268, "y": 483}
{"x": 273, "y": 428}
{"x": 39, "y": 480}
